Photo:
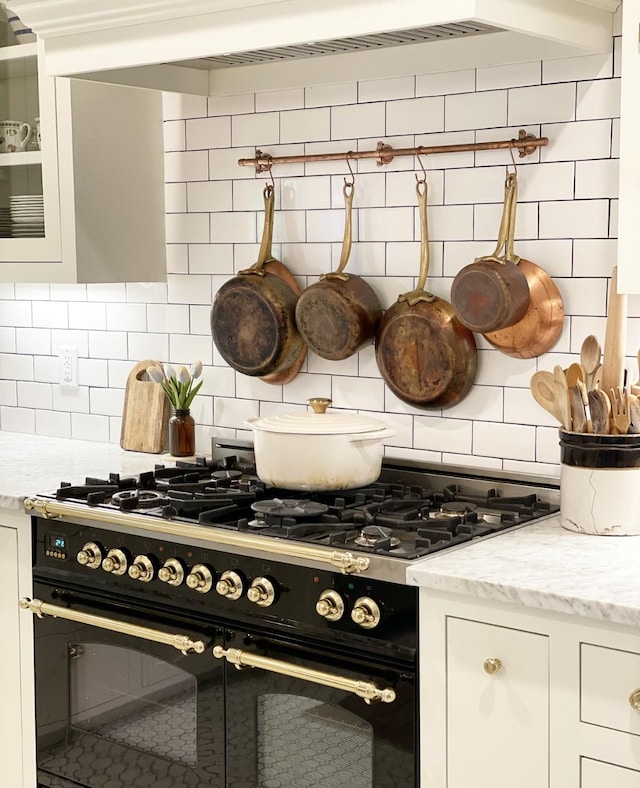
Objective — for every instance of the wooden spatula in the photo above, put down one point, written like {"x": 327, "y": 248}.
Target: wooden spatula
{"x": 615, "y": 339}
{"x": 578, "y": 415}
{"x": 600, "y": 409}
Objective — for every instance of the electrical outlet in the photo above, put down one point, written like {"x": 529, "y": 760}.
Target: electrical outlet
{"x": 68, "y": 357}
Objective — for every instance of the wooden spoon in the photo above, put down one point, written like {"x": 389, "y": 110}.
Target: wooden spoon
{"x": 634, "y": 413}
{"x": 562, "y": 393}
{"x": 585, "y": 404}
{"x": 615, "y": 336}
{"x": 590, "y": 353}
{"x": 578, "y": 415}
{"x": 574, "y": 373}
{"x": 544, "y": 392}
{"x": 600, "y": 408}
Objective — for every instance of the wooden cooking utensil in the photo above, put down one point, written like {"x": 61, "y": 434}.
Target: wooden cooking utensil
{"x": 582, "y": 388}
{"x": 634, "y": 414}
{"x": 590, "y": 353}
{"x": 596, "y": 382}
{"x": 620, "y": 417}
{"x": 544, "y": 392}
{"x": 600, "y": 408}
{"x": 615, "y": 336}
{"x": 574, "y": 373}
{"x": 562, "y": 393}
{"x": 578, "y": 415}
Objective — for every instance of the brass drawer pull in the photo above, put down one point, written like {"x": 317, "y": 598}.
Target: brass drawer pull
{"x": 492, "y": 665}
{"x": 363, "y": 689}
{"x": 181, "y": 642}
{"x": 634, "y": 700}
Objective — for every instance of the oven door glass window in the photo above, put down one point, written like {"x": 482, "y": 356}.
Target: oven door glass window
{"x": 305, "y": 742}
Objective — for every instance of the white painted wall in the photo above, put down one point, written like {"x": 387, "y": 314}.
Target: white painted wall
{"x": 566, "y": 223}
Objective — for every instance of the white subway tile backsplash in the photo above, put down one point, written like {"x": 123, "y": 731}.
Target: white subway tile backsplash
{"x": 70, "y": 399}
{"x": 361, "y": 393}
{"x": 7, "y": 290}
{"x": 230, "y": 227}
{"x": 200, "y": 319}
{"x": 442, "y": 434}
{"x": 248, "y": 388}
{"x": 189, "y": 289}
{"x": 186, "y": 349}
{"x": 186, "y": 166}
{"x": 597, "y": 178}
{"x": 599, "y": 99}
{"x": 125, "y": 317}
{"x": 174, "y": 135}
{"x": 401, "y": 188}
{"x": 301, "y": 125}
{"x": 79, "y": 339}
{"x": 109, "y": 291}
{"x": 449, "y": 222}
{"x": 177, "y": 258}
{"x": 475, "y": 110}
{"x": 415, "y": 116}
{"x": 185, "y": 228}
{"x": 360, "y": 120}
{"x": 573, "y": 69}
{"x": 90, "y": 428}
{"x": 239, "y": 104}
{"x": 107, "y": 402}
{"x": 473, "y": 185}
{"x": 32, "y": 292}
{"x": 255, "y": 130}
{"x": 34, "y": 395}
{"x": 509, "y": 441}
{"x": 234, "y": 412}
{"x": 586, "y": 139}
{"x": 386, "y": 89}
{"x": 521, "y": 408}
{"x": 182, "y": 105}
{"x": 514, "y": 75}
{"x": 18, "y": 313}
{"x": 53, "y": 424}
{"x": 445, "y": 83}
{"x": 487, "y": 221}
{"x": 205, "y": 133}
{"x": 64, "y": 292}
{"x": 385, "y": 224}
{"x": 542, "y": 104}
{"x": 305, "y": 193}
{"x": 118, "y": 371}
{"x": 17, "y": 419}
{"x": 33, "y": 341}
{"x": 146, "y": 292}
{"x": 108, "y": 344}
{"x": 88, "y": 316}
{"x": 92, "y": 372}
{"x": 348, "y": 367}
{"x": 154, "y": 346}
{"x": 206, "y": 196}
{"x": 211, "y": 258}
{"x": 280, "y": 99}
{"x": 8, "y": 339}
{"x": 574, "y": 219}
{"x": 594, "y": 256}
{"x": 175, "y": 197}
{"x": 46, "y": 369}
{"x": 369, "y": 192}
{"x": 331, "y": 95}
{"x": 585, "y": 296}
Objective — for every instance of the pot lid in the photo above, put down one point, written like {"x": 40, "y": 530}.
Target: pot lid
{"x": 318, "y": 423}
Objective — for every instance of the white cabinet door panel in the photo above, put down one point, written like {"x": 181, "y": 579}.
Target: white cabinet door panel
{"x": 595, "y": 774}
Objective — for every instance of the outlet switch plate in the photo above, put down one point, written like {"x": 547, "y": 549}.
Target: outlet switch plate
{"x": 68, "y": 357}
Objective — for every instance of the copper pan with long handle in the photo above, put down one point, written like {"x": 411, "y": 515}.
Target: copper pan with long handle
{"x": 541, "y": 326}
{"x": 424, "y": 353}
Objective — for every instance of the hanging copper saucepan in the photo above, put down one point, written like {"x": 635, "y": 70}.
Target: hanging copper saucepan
{"x": 541, "y": 326}
{"x": 339, "y": 315}
{"x": 253, "y": 314}
{"x": 492, "y": 292}
{"x": 424, "y": 353}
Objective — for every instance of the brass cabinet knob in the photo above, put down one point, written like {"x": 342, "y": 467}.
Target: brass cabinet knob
{"x": 115, "y": 563}
{"x": 142, "y": 569}
{"x": 230, "y": 585}
{"x": 171, "y": 572}
{"x": 492, "y": 665}
{"x": 330, "y": 605}
{"x": 262, "y": 592}
{"x": 200, "y": 579}
{"x": 90, "y": 556}
{"x": 366, "y": 613}
{"x": 634, "y": 700}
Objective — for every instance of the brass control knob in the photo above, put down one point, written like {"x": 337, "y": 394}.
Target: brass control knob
{"x": 116, "y": 562}
{"x": 230, "y": 585}
{"x": 634, "y": 700}
{"x": 142, "y": 569}
{"x": 200, "y": 579}
{"x": 262, "y": 592}
{"x": 492, "y": 665}
{"x": 90, "y": 556}
{"x": 366, "y": 613}
{"x": 330, "y": 605}
{"x": 171, "y": 572}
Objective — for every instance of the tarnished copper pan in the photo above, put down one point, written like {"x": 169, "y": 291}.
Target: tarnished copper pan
{"x": 424, "y": 353}
{"x": 339, "y": 315}
{"x": 541, "y": 326}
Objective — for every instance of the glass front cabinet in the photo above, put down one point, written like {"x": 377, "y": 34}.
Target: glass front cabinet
{"x": 81, "y": 176}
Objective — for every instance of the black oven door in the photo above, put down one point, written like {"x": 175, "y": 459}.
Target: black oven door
{"x": 118, "y": 703}
{"x": 298, "y": 716}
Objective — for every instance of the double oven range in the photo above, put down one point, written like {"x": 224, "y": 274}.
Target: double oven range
{"x": 196, "y": 627}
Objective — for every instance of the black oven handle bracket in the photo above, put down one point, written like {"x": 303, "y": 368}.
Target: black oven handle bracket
{"x": 366, "y": 690}
{"x": 346, "y": 562}
{"x": 181, "y": 642}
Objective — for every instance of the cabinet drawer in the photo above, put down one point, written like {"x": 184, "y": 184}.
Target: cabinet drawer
{"x": 607, "y": 679}
{"x": 596, "y": 774}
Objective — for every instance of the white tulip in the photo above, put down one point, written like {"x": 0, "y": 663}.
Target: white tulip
{"x": 196, "y": 369}
{"x": 169, "y": 371}
{"x": 155, "y": 373}
{"x": 183, "y": 375}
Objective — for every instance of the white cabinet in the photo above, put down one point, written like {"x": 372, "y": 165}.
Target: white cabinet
{"x": 17, "y": 726}
{"x": 498, "y": 706}
{"x": 99, "y": 171}
{"x": 562, "y": 710}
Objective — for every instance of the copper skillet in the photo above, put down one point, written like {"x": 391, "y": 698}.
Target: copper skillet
{"x": 424, "y": 353}
{"x": 492, "y": 292}
{"x": 253, "y": 314}
{"x": 339, "y": 315}
{"x": 541, "y": 325}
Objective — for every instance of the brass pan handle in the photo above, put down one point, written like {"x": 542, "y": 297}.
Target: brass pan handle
{"x": 420, "y": 294}
{"x": 363, "y": 689}
{"x": 347, "y": 190}
{"x": 264, "y": 255}
{"x": 181, "y": 642}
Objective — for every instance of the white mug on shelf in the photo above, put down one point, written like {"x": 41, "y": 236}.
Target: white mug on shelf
{"x": 14, "y": 135}
{"x": 37, "y": 141}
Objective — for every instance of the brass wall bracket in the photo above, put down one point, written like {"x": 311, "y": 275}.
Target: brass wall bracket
{"x": 525, "y": 144}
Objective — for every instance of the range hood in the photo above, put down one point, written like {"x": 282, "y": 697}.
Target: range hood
{"x": 215, "y": 47}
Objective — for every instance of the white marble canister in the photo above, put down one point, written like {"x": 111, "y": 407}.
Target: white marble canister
{"x": 600, "y": 484}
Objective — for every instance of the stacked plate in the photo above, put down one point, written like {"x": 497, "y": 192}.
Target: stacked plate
{"x": 5, "y": 223}
{"x": 27, "y": 215}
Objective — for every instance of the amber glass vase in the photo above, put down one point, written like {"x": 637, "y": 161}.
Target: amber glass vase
{"x": 182, "y": 434}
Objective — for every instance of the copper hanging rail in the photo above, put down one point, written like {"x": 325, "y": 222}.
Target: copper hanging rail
{"x": 385, "y": 154}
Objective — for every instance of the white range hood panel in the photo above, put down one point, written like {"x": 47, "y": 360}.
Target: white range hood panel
{"x": 194, "y": 45}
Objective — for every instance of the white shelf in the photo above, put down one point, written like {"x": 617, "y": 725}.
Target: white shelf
{"x": 20, "y": 158}
{"x": 19, "y": 51}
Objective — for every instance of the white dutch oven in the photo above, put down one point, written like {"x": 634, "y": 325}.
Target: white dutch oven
{"x": 315, "y": 451}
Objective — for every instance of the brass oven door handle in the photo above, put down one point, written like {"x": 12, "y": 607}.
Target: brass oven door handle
{"x": 182, "y": 642}
{"x": 363, "y": 689}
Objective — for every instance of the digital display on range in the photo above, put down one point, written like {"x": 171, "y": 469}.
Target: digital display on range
{"x": 56, "y": 545}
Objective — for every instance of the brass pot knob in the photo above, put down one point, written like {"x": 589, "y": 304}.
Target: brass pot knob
{"x": 634, "y": 700}
{"x": 492, "y": 665}
{"x": 115, "y": 563}
{"x": 262, "y": 592}
{"x": 141, "y": 569}
{"x": 90, "y": 556}
{"x": 366, "y": 613}
{"x": 319, "y": 404}
{"x": 230, "y": 585}
{"x": 172, "y": 572}
{"x": 200, "y": 579}
{"x": 330, "y": 605}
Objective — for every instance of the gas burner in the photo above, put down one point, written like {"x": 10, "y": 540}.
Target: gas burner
{"x": 376, "y": 536}
{"x": 289, "y": 507}
{"x": 221, "y": 475}
{"x": 127, "y": 500}
{"x": 458, "y": 508}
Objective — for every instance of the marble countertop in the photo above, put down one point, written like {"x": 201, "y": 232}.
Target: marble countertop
{"x": 544, "y": 566}
{"x": 33, "y": 464}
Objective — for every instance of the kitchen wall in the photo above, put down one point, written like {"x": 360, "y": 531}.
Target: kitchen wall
{"x": 566, "y": 223}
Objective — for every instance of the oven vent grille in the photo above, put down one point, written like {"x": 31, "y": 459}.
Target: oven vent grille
{"x": 416, "y": 35}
